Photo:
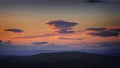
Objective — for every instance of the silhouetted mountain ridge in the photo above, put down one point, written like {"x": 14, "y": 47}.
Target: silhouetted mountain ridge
{"x": 62, "y": 60}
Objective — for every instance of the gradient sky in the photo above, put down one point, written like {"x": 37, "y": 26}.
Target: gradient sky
{"x": 24, "y": 24}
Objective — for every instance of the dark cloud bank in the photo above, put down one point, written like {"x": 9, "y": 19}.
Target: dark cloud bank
{"x": 95, "y": 1}
{"x": 96, "y": 29}
{"x": 104, "y": 32}
{"x": 49, "y": 2}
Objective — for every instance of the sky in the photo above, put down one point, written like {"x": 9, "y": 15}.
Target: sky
{"x": 60, "y": 25}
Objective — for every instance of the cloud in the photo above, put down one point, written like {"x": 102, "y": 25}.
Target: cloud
{"x": 49, "y": 2}
{"x": 14, "y": 30}
{"x": 36, "y": 36}
{"x": 109, "y": 44}
{"x": 27, "y": 37}
{"x": 116, "y": 2}
{"x": 79, "y": 39}
{"x": 62, "y": 27}
{"x": 95, "y": 1}
{"x": 47, "y": 35}
{"x": 40, "y": 43}
{"x": 62, "y": 38}
{"x": 116, "y": 29}
{"x": 66, "y": 38}
{"x": 96, "y": 29}
{"x": 102, "y": 1}
{"x": 104, "y": 32}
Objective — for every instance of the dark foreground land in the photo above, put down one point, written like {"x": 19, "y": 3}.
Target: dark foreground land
{"x": 62, "y": 60}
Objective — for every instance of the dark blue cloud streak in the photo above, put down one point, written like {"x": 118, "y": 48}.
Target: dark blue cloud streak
{"x": 14, "y": 30}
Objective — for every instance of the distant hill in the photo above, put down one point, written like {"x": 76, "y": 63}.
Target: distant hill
{"x": 25, "y": 52}
{"x": 62, "y": 60}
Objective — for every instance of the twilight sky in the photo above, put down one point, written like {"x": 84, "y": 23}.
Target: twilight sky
{"x": 59, "y": 24}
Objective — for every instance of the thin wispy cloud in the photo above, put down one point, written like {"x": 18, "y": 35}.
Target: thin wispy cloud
{"x": 39, "y": 43}
{"x": 96, "y": 29}
{"x": 14, "y": 30}
{"x": 63, "y": 38}
{"x": 35, "y": 36}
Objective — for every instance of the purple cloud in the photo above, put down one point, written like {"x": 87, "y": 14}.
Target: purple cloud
{"x": 62, "y": 27}
{"x": 95, "y": 1}
{"x": 40, "y": 43}
{"x": 62, "y": 38}
{"x": 104, "y": 32}
{"x": 96, "y": 29}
